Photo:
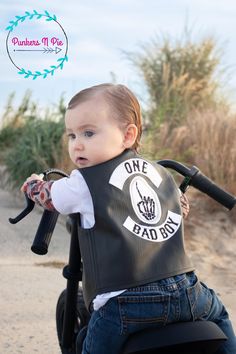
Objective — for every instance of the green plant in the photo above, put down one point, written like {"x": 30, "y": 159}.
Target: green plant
{"x": 179, "y": 75}
{"x": 38, "y": 148}
{"x": 30, "y": 140}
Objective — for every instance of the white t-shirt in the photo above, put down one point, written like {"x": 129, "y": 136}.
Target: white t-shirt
{"x": 72, "y": 195}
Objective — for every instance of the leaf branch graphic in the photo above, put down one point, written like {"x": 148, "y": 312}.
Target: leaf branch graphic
{"x": 30, "y": 16}
{"x": 45, "y": 72}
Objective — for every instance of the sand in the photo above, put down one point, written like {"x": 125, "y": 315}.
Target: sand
{"x": 29, "y": 291}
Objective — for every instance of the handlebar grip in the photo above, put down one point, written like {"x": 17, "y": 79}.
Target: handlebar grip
{"x": 44, "y": 233}
{"x": 205, "y": 185}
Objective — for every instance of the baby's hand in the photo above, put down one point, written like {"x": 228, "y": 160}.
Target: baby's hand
{"x": 185, "y": 205}
{"x": 33, "y": 177}
{"x": 39, "y": 191}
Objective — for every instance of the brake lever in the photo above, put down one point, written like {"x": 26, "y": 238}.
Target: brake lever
{"x": 29, "y": 207}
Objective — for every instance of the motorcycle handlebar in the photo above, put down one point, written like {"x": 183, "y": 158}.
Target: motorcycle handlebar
{"x": 205, "y": 185}
{"x": 192, "y": 175}
{"x": 198, "y": 180}
{"x": 44, "y": 233}
{"x": 29, "y": 203}
{"x": 48, "y": 221}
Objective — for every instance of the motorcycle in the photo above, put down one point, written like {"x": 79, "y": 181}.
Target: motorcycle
{"x": 72, "y": 316}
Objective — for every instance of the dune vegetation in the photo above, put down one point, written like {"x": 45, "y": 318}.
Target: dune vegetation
{"x": 187, "y": 117}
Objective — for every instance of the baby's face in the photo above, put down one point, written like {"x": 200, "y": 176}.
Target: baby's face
{"x": 94, "y": 135}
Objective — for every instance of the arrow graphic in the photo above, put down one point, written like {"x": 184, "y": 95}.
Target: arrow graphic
{"x": 44, "y": 50}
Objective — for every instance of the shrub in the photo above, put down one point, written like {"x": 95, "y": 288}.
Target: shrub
{"x": 38, "y": 148}
{"x": 207, "y": 140}
{"x": 179, "y": 76}
{"x": 212, "y": 139}
{"x": 30, "y": 138}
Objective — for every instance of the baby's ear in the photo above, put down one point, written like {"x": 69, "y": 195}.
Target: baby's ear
{"x": 130, "y": 135}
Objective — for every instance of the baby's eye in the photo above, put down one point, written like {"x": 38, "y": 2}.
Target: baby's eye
{"x": 88, "y": 133}
{"x": 71, "y": 136}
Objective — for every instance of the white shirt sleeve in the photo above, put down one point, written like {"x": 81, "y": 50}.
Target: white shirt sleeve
{"x": 71, "y": 195}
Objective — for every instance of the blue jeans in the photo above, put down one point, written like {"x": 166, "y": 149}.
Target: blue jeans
{"x": 175, "y": 299}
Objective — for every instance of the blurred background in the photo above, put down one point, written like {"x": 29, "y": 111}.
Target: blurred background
{"x": 178, "y": 57}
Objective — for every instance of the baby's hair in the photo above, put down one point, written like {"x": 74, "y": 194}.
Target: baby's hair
{"x": 125, "y": 106}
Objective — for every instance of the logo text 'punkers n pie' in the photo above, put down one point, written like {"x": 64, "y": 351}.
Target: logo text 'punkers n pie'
{"x": 37, "y": 42}
{"x": 34, "y": 42}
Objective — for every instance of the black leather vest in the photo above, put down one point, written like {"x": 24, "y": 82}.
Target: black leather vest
{"x": 138, "y": 233}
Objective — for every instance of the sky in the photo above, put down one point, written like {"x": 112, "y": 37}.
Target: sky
{"x": 98, "y": 35}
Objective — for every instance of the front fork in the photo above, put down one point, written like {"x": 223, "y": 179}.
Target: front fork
{"x": 72, "y": 272}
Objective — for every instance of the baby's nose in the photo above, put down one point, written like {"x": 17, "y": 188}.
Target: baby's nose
{"x": 79, "y": 145}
